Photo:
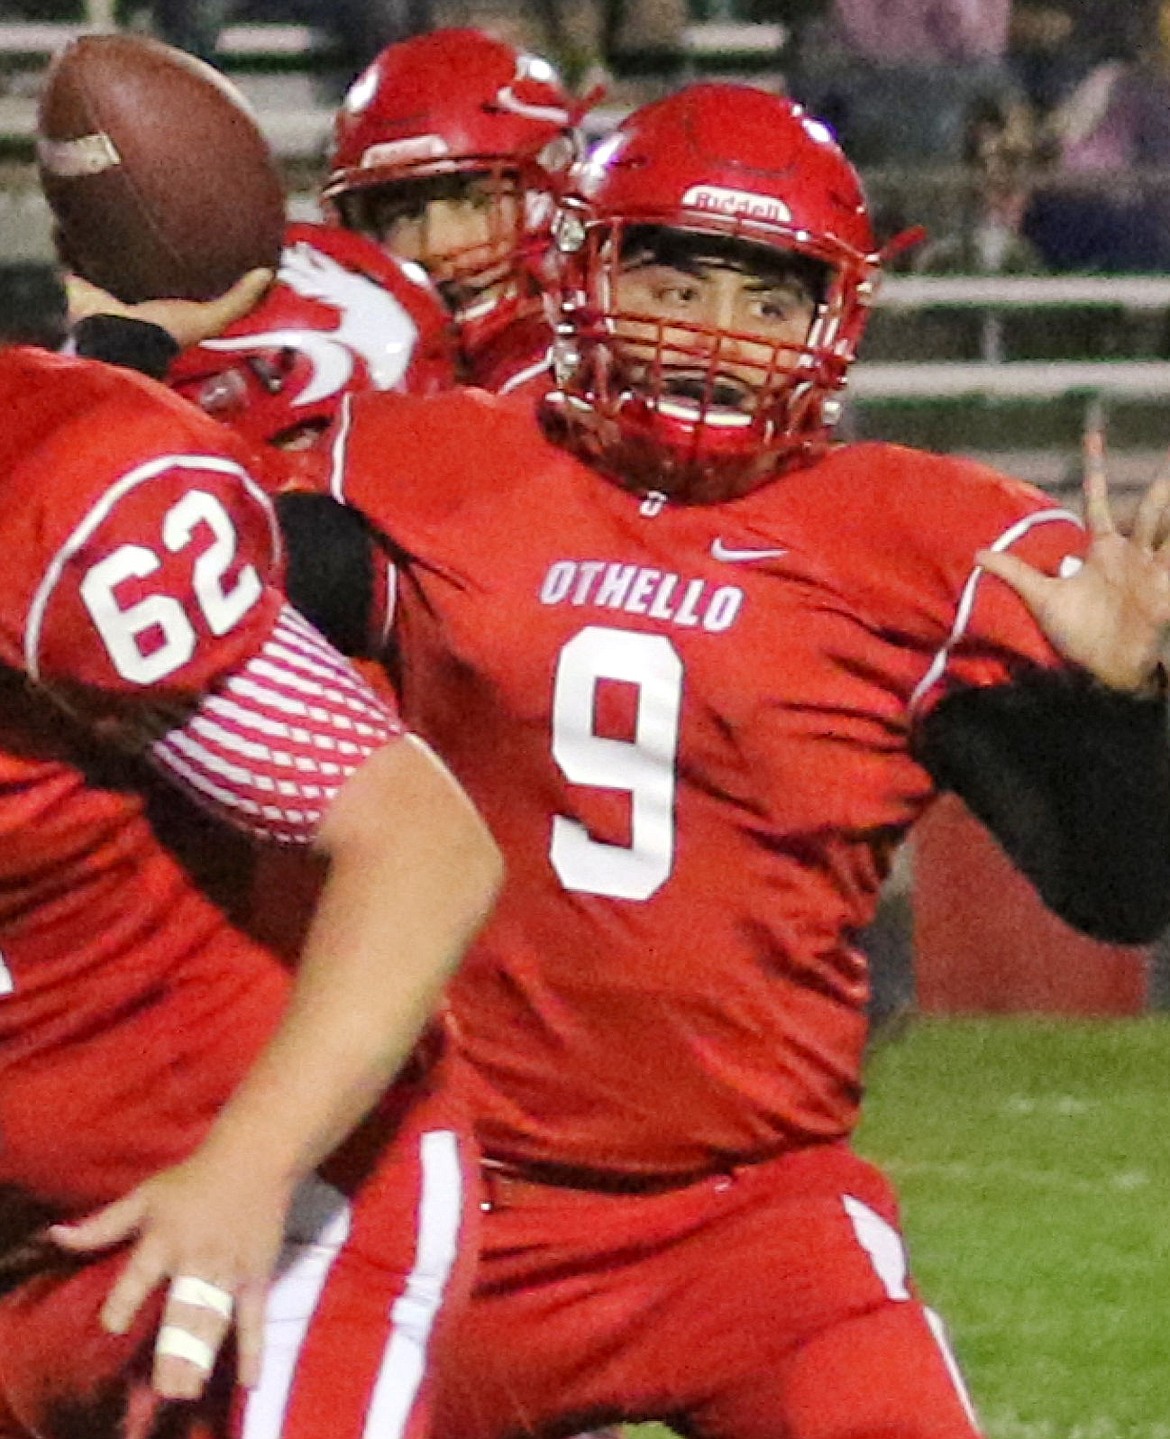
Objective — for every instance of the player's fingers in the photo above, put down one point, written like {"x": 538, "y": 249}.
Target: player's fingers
{"x": 142, "y": 1275}
{"x": 243, "y": 296}
{"x": 251, "y": 1310}
{"x": 1098, "y": 515}
{"x": 1161, "y": 535}
{"x": 83, "y": 299}
{"x": 1093, "y": 442}
{"x": 111, "y": 1225}
{"x": 1149, "y": 522}
{"x": 196, "y": 1320}
{"x": 1030, "y": 584}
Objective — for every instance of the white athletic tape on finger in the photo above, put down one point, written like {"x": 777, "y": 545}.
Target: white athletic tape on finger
{"x": 201, "y": 1294}
{"x": 177, "y": 1343}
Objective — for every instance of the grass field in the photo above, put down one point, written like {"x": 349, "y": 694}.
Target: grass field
{"x": 1033, "y": 1161}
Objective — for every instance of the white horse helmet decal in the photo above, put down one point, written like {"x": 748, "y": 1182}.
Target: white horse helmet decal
{"x": 372, "y": 325}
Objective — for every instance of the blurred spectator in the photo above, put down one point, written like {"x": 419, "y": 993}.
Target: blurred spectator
{"x": 1045, "y": 51}
{"x": 191, "y": 25}
{"x": 591, "y": 40}
{"x": 897, "y": 78}
{"x": 923, "y": 31}
{"x": 1107, "y": 206}
{"x": 1000, "y": 157}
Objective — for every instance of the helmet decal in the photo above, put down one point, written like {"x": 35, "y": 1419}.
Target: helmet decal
{"x": 372, "y": 325}
{"x": 340, "y": 318}
{"x": 405, "y": 152}
{"x": 721, "y": 200}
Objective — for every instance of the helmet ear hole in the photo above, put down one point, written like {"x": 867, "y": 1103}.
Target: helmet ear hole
{"x": 272, "y": 369}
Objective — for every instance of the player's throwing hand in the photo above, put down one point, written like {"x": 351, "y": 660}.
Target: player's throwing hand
{"x": 188, "y": 322}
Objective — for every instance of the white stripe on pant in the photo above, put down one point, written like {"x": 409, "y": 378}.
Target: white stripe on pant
{"x": 318, "y": 1228}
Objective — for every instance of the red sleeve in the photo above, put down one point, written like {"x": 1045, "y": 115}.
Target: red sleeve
{"x": 142, "y": 565}
{"x": 387, "y": 449}
{"x": 161, "y": 581}
{"x": 912, "y": 524}
{"x": 992, "y": 631}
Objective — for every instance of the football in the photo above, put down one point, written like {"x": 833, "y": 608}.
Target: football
{"x": 158, "y": 177}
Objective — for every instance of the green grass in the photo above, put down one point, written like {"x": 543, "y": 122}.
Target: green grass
{"x": 1033, "y": 1162}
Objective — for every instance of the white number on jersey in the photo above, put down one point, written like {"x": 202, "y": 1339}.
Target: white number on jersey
{"x": 7, "y": 983}
{"x": 122, "y": 628}
{"x": 643, "y": 766}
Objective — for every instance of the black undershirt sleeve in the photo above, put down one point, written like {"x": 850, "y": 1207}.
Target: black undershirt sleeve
{"x": 331, "y": 555}
{"x": 119, "y": 340}
{"x": 1074, "y": 782}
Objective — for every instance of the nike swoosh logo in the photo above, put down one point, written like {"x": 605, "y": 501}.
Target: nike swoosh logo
{"x": 720, "y": 551}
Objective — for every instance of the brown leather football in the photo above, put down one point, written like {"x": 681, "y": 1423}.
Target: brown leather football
{"x": 160, "y": 181}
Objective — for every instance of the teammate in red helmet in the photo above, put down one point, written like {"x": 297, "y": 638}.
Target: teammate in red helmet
{"x": 448, "y": 151}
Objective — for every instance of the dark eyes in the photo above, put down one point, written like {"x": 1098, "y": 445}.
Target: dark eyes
{"x": 685, "y": 294}
{"x": 778, "y": 308}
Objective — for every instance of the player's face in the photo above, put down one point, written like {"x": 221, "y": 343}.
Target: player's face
{"x": 462, "y": 230}
{"x": 712, "y": 324}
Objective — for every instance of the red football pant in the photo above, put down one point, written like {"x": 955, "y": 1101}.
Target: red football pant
{"x": 351, "y": 1317}
{"x": 772, "y": 1303}
{"x": 378, "y": 1246}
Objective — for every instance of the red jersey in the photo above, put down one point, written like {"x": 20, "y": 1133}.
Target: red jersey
{"x": 139, "y": 555}
{"x": 518, "y": 361}
{"x": 689, "y": 728}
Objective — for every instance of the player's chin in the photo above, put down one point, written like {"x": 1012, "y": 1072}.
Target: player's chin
{"x": 471, "y": 299}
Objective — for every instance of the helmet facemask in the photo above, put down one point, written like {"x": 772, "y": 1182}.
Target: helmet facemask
{"x": 479, "y": 232}
{"x": 694, "y": 411}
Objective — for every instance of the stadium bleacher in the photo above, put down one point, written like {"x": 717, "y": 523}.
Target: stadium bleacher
{"x": 924, "y": 379}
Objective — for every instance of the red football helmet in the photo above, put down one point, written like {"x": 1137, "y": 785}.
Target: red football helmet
{"x": 458, "y": 103}
{"x": 760, "y": 177}
{"x": 340, "y": 318}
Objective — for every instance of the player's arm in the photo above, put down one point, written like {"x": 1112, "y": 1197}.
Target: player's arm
{"x": 411, "y": 875}
{"x": 1073, "y": 779}
{"x": 156, "y": 621}
{"x": 147, "y": 337}
{"x": 337, "y": 571}
{"x": 1072, "y": 771}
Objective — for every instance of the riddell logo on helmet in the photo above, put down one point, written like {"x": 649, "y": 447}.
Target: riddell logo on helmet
{"x": 735, "y": 203}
